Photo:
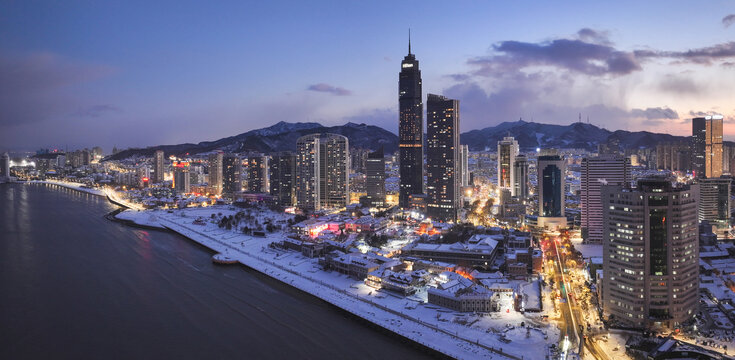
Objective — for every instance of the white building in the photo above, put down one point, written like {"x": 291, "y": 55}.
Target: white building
{"x": 596, "y": 171}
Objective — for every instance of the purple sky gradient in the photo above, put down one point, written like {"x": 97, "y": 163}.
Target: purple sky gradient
{"x": 79, "y": 73}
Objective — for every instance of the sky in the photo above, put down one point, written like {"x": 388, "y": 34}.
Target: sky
{"x": 79, "y": 74}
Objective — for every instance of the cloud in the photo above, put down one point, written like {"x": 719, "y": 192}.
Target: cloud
{"x": 36, "y": 87}
{"x": 334, "y": 90}
{"x": 657, "y": 113}
{"x": 97, "y": 110}
{"x": 584, "y": 55}
{"x": 594, "y": 36}
{"x": 728, "y": 20}
{"x": 704, "y": 56}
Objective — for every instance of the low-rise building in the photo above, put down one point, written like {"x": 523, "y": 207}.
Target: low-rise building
{"x": 461, "y": 294}
{"x": 478, "y": 251}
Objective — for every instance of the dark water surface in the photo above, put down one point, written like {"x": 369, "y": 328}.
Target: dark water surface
{"x": 75, "y": 285}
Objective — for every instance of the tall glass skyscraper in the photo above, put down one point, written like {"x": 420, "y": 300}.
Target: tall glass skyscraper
{"x": 410, "y": 129}
{"x": 442, "y": 158}
{"x": 707, "y": 146}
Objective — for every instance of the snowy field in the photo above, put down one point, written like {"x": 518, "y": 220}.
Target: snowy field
{"x": 501, "y": 335}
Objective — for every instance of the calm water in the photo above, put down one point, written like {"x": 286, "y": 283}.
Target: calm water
{"x": 75, "y": 285}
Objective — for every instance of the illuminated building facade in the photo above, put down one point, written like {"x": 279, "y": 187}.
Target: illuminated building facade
{"x": 181, "y": 183}
{"x": 258, "y": 174}
{"x": 442, "y": 157}
{"x": 322, "y": 171}
{"x": 375, "y": 167}
{"x": 707, "y": 146}
{"x": 231, "y": 170}
{"x": 520, "y": 177}
{"x": 606, "y": 169}
{"x": 282, "y": 173}
{"x": 650, "y": 253}
{"x": 215, "y": 173}
{"x": 158, "y": 167}
{"x": 507, "y": 152}
{"x": 410, "y": 130}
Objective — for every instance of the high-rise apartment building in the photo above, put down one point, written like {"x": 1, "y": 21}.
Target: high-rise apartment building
{"x": 258, "y": 174}
{"x": 520, "y": 177}
{"x": 375, "y": 182}
{"x": 282, "y": 173}
{"x": 182, "y": 180}
{"x": 215, "y": 173}
{"x": 231, "y": 174}
{"x": 597, "y": 171}
{"x": 650, "y": 253}
{"x": 322, "y": 171}
{"x": 158, "y": 167}
{"x": 464, "y": 165}
{"x": 442, "y": 157}
{"x": 410, "y": 129}
{"x": 507, "y": 152}
{"x": 707, "y": 146}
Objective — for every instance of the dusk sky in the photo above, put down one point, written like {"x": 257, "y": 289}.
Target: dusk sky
{"x": 86, "y": 73}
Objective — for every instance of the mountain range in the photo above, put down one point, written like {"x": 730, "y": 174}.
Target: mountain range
{"x": 530, "y": 135}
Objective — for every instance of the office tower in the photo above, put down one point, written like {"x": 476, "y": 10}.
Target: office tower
{"x": 231, "y": 170}
{"x": 650, "y": 253}
{"x": 707, "y": 146}
{"x": 595, "y": 171}
{"x": 507, "y": 151}
{"x": 520, "y": 177}
{"x": 86, "y": 157}
{"x": 182, "y": 183}
{"x": 375, "y": 166}
{"x": 410, "y": 129}
{"x": 282, "y": 173}
{"x": 442, "y": 157}
{"x": 551, "y": 174}
{"x": 158, "y": 167}
{"x": 258, "y": 174}
{"x": 322, "y": 171}
{"x": 5, "y": 165}
{"x": 215, "y": 173}
{"x": 464, "y": 166}
{"x": 714, "y": 202}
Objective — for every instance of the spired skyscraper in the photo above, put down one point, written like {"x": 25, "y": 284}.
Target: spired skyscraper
{"x": 410, "y": 129}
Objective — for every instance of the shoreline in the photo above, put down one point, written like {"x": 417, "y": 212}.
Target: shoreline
{"x": 376, "y": 307}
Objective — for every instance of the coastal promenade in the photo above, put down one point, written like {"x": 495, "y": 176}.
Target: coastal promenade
{"x": 412, "y": 318}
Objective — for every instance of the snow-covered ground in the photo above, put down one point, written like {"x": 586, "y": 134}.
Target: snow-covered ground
{"x": 75, "y": 186}
{"x": 506, "y": 334}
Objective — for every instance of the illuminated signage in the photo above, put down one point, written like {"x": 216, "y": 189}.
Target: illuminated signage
{"x": 409, "y": 65}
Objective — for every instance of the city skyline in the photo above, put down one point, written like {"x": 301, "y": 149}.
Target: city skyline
{"x": 133, "y": 81}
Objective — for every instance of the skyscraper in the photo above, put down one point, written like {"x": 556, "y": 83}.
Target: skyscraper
{"x": 282, "y": 171}
{"x": 551, "y": 168}
{"x": 158, "y": 167}
{"x": 215, "y": 173}
{"x": 181, "y": 177}
{"x": 322, "y": 171}
{"x": 707, "y": 146}
{"x": 650, "y": 253}
{"x": 520, "y": 177}
{"x": 375, "y": 166}
{"x": 714, "y": 202}
{"x": 410, "y": 129}
{"x": 464, "y": 166}
{"x": 507, "y": 151}
{"x": 442, "y": 157}
{"x": 231, "y": 170}
{"x": 595, "y": 171}
{"x": 258, "y": 174}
